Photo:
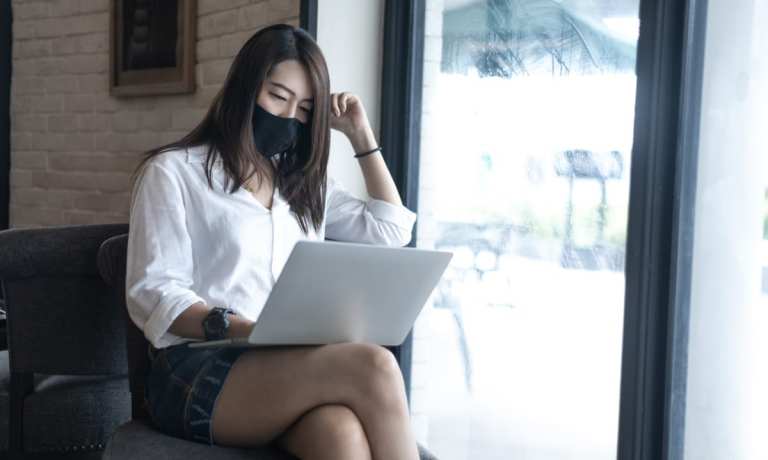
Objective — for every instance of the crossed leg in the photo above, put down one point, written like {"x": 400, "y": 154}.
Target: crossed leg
{"x": 298, "y": 396}
{"x": 330, "y": 431}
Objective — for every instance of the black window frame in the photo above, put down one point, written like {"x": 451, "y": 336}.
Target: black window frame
{"x": 308, "y": 16}
{"x": 662, "y": 197}
{"x": 400, "y": 115}
{"x": 660, "y": 230}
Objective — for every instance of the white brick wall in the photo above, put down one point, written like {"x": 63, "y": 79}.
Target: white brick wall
{"x": 73, "y": 146}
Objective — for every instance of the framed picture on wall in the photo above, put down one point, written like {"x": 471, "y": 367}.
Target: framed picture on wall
{"x": 152, "y": 47}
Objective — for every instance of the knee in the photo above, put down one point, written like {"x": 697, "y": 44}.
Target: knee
{"x": 380, "y": 373}
{"x": 342, "y": 434}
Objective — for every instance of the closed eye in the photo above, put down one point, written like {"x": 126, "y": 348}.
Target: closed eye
{"x": 284, "y": 99}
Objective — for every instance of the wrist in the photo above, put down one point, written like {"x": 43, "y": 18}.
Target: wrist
{"x": 216, "y": 323}
{"x": 359, "y": 155}
{"x": 363, "y": 140}
{"x": 239, "y": 327}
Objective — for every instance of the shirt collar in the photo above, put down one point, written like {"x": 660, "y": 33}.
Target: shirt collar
{"x": 197, "y": 154}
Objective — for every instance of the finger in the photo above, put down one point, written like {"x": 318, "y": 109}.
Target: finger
{"x": 334, "y": 106}
{"x": 344, "y": 97}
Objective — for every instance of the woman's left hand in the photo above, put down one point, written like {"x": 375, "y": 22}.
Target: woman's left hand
{"x": 348, "y": 114}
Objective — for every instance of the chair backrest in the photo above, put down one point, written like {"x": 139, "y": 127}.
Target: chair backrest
{"x": 61, "y": 316}
{"x": 112, "y": 265}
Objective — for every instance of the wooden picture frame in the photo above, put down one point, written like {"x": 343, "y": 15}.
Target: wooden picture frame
{"x": 152, "y": 47}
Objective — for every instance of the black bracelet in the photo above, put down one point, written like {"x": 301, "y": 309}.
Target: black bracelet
{"x": 362, "y": 154}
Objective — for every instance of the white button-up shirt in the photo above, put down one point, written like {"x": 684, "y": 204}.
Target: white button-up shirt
{"x": 188, "y": 243}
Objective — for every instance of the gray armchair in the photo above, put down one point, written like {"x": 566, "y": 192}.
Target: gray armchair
{"x": 137, "y": 439}
{"x": 68, "y": 388}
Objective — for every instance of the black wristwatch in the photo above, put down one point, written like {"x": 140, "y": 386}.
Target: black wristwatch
{"x": 216, "y": 323}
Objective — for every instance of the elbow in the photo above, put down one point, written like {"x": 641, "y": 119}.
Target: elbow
{"x": 405, "y": 232}
{"x": 154, "y": 304}
{"x": 404, "y": 237}
{"x": 392, "y": 225}
{"x": 394, "y": 235}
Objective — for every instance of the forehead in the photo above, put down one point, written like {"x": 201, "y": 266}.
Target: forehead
{"x": 293, "y": 75}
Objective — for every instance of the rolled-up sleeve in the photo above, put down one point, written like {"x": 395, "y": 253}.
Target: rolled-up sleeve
{"x": 159, "y": 266}
{"x": 349, "y": 218}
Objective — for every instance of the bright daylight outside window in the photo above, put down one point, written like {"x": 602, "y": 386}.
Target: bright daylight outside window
{"x": 528, "y": 112}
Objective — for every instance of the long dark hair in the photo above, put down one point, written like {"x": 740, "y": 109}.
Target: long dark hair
{"x": 300, "y": 173}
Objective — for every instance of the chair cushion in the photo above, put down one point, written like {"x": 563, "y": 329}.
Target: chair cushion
{"x": 138, "y": 440}
{"x": 73, "y": 413}
{"x": 66, "y": 413}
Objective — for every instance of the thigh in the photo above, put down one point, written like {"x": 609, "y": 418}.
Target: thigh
{"x": 268, "y": 389}
{"x": 182, "y": 386}
{"x": 329, "y": 431}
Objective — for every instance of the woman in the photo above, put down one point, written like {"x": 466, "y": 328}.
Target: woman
{"x": 213, "y": 219}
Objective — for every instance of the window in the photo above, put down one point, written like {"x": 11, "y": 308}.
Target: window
{"x": 526, "y": 134}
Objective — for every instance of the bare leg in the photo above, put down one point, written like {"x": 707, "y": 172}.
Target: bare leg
{"x": 331, "y": 432}
{"x": 268, "y": 389}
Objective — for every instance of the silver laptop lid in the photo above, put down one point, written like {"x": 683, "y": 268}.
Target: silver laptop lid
{"x": 331, "y": 292}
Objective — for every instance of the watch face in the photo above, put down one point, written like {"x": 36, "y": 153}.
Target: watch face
{"x": 217, "y": 323}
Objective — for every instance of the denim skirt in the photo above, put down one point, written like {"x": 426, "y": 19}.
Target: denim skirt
{"x": 182, "y": 387}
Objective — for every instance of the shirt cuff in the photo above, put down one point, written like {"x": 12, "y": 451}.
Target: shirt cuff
{"x": 396, "y": 214}
{"x": 162, "y": 317}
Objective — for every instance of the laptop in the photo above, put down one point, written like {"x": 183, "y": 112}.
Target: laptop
{"x": 330, "y": 292}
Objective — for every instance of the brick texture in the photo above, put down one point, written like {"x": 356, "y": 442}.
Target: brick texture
{"x": 73, "y": 146}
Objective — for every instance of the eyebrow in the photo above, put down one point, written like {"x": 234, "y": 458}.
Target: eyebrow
{"x": 287, "y": 89}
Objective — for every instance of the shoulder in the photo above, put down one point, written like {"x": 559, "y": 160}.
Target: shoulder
{"x": 163, "y": 171}
{"x": 172, "y": 160}
{"x": 175, "y": 163}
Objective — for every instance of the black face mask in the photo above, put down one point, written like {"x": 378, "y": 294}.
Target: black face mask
{"x": 273, "y": 134}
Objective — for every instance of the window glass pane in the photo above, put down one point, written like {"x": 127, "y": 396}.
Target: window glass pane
{"x": 727, "y": 402}
{"x": 528, "y": 111}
